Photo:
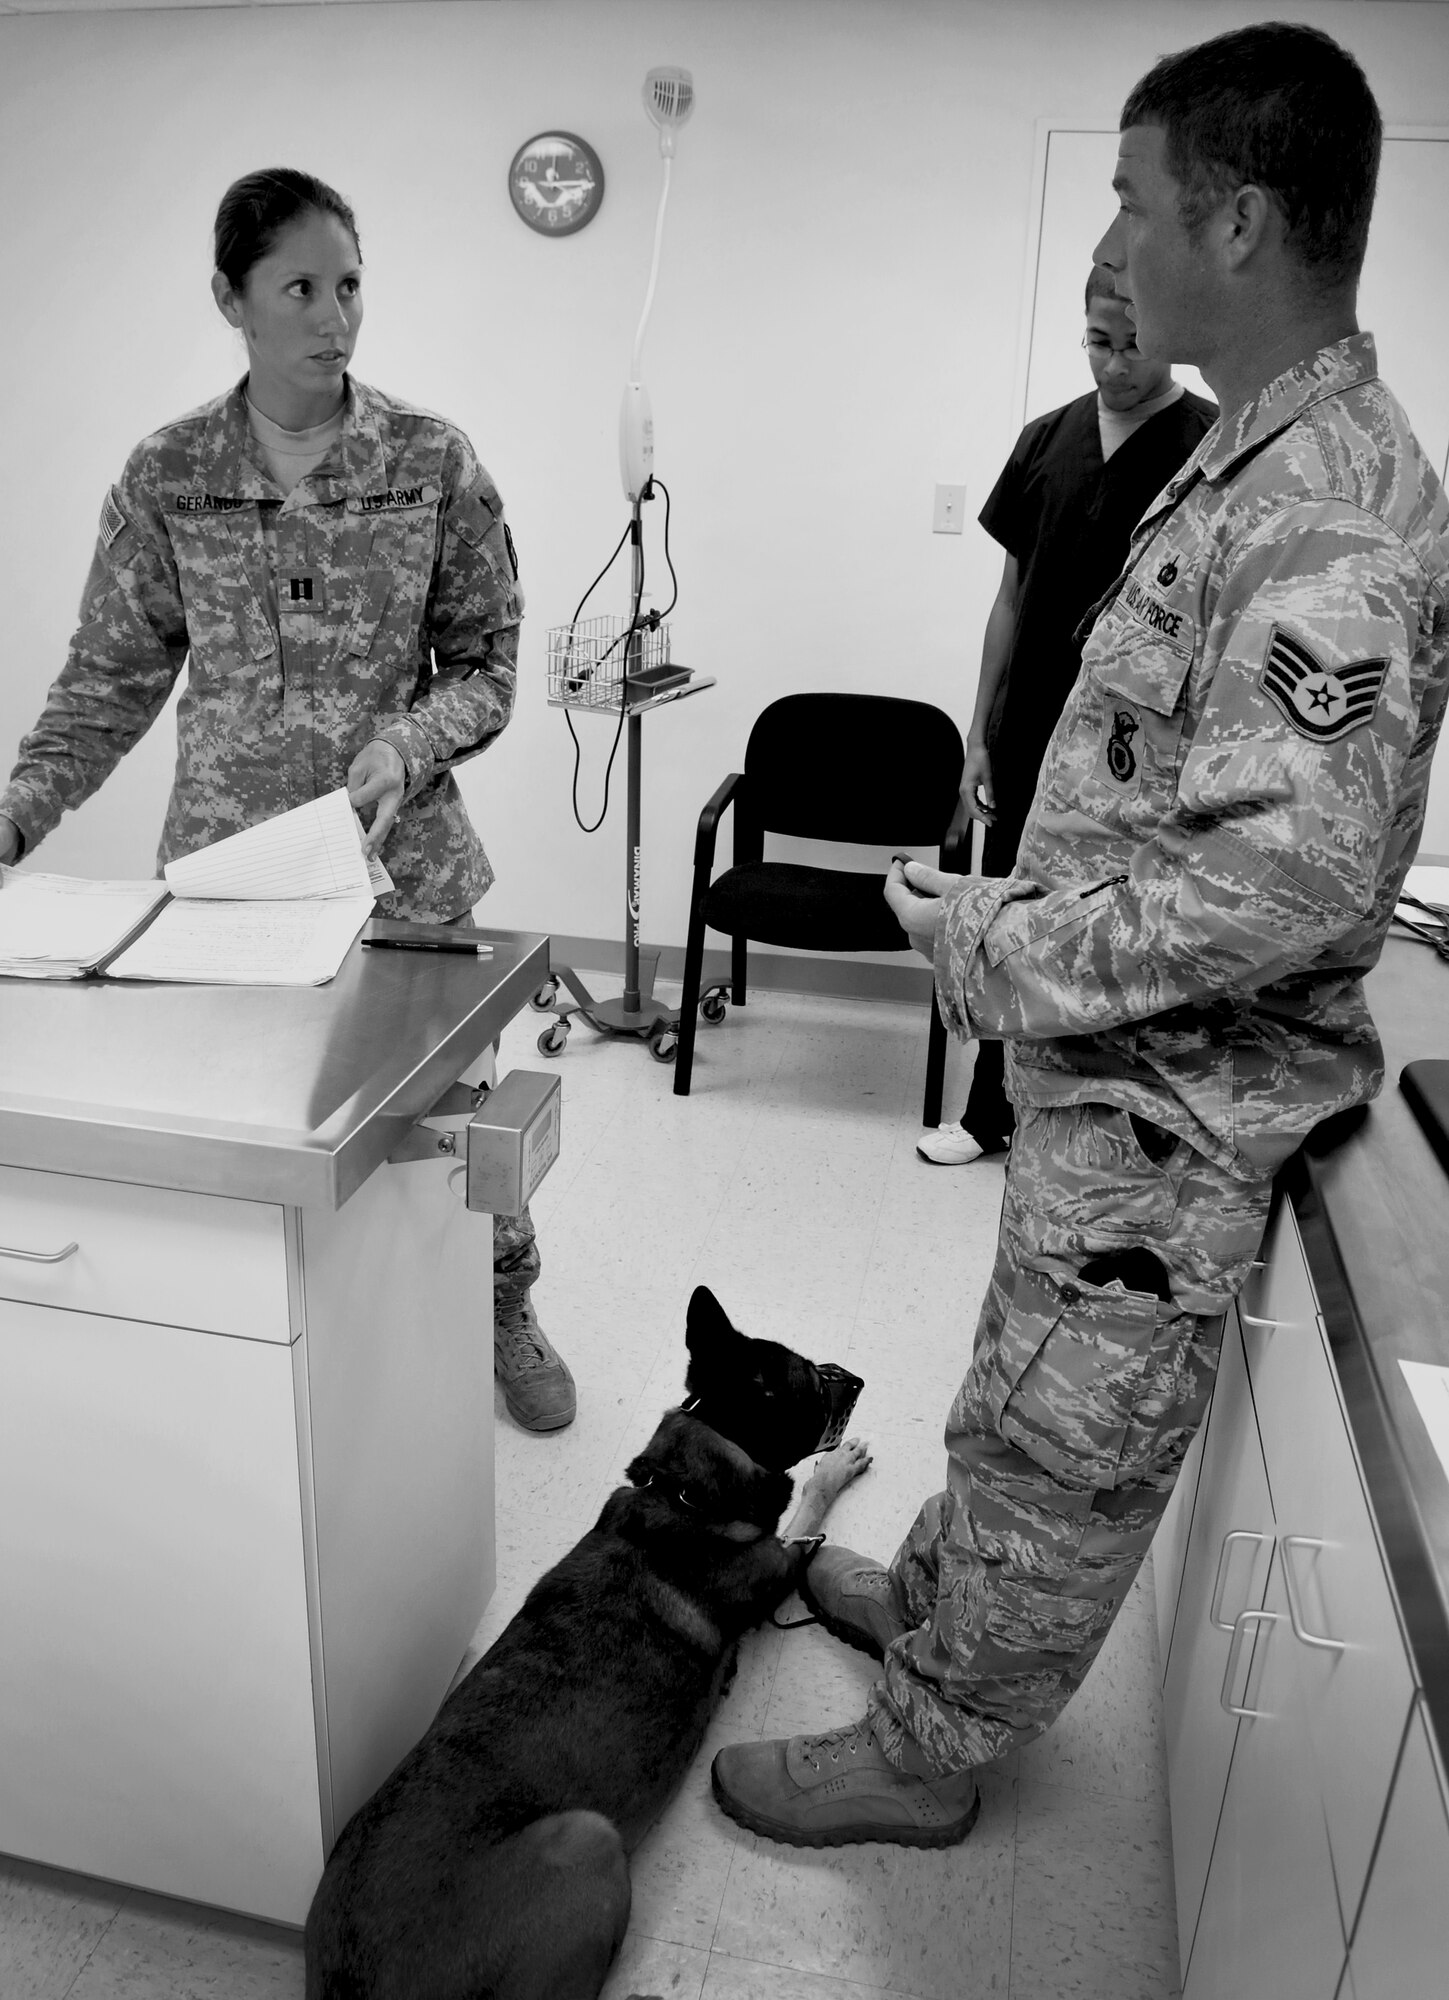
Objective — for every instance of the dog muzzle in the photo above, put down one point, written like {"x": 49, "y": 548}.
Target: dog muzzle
{"x": 840, "y": 1389}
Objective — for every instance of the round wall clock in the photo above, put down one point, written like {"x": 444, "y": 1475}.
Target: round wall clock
{"x": 556, "y": 183}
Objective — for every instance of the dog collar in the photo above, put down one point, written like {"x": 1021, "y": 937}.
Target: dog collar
{"x": 672, "y": 1490}
{"x": 734, "y": 1531}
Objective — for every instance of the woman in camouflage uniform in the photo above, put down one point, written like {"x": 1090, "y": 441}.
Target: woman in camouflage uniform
{"x": 333, "y": 567}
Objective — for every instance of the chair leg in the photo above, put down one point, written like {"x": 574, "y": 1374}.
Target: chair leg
{"x": 689, "y": 998}
{"x": 738, "y": 948}
{"x": 935, "y": 1065}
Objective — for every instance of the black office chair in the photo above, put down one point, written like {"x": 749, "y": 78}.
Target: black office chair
{"x": 866, "y": 768}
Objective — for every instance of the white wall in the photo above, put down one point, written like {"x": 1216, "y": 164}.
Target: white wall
{"x": 836, "y": 327}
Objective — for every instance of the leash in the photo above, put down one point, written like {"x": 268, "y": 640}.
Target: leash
{"x": 813, "y": 1542}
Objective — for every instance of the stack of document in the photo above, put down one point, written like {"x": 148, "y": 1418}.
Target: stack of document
{"x": 59, "y": 927}
{"x": 276, "y": 905}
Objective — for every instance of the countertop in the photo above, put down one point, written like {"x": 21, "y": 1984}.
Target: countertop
{"x": 285, "y": 1094}
{"x": 1372, "y": 1203}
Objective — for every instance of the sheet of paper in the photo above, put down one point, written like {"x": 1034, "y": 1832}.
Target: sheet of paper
{"x": 1429, "y": 1387}
{"x": 314, "y": 850}
{"x": 264, "y": 943}
{"x": 1431, "y": 885}
{"x": 64, "y": 921}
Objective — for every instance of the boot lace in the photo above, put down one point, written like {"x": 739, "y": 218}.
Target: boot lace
{"x": 522, "y": 1337}
{"x": 848, "y": 1740}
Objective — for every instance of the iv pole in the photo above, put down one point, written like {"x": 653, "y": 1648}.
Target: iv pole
{"x": 668, "y": 99}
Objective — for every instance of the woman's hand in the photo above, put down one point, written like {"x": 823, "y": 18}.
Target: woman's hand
{"x": 9, "y": 841}
{"x": 378, "y": 778}
{"x": 915, "y": 898}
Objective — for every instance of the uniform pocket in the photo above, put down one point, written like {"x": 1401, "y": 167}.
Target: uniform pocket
{"x": 219, "y": 594}
{"x": 1068, "y": 1372}
{"x": 372, "y": 603}
{"x": 1137, "y": 683}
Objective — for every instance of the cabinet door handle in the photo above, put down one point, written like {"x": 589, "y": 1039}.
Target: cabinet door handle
{"x": 1243, "y": 1621}
{"x": 40, "y": 1256}
{"x": 1295, "y": 1608}
{"x": 1252, "y": 1319}
{"x": 1215, "y": 1609}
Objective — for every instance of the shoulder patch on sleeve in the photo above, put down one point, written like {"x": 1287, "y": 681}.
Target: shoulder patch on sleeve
{"x": 1321, "y": 703}
{"x": 113, "y": 521}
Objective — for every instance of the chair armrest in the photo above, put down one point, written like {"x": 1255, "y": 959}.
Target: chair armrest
{"x": 710, "y": 818}
{"x": 956, "y": 846}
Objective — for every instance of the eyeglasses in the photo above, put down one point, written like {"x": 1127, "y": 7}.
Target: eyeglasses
{"x": 1097, "y": 343}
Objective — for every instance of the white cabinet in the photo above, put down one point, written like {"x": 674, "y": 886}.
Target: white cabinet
{"x": 1401, "y": 1944}
{"x": 1353, "y": 1675}
{"x": 153, "y": 1608}
{"x": 1287, "y": 1683}
{"x": 1225, "y": 1573}
{"x": 246, "y": 1527}
{"x": 1269, "y": 1922}
{"x": 1169, "y": 1544}
{"x": 146, "y": 1253}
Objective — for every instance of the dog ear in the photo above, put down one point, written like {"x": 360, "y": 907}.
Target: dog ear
{"x": 705, "y": 1318}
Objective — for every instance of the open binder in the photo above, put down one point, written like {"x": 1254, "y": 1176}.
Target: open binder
{"x": 278, "y": 904}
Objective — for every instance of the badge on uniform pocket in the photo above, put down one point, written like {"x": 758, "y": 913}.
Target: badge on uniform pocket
{"x": 1119, "y": 762}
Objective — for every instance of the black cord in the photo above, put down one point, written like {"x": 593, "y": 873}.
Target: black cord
{"x": 656, "y": 618}
{"x": 603, "y": 572}
{"x": 635, "y": 527}
{"x": 653, "y": 622}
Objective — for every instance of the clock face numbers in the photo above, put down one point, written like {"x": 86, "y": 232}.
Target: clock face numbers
{"x": 556, "y": 183}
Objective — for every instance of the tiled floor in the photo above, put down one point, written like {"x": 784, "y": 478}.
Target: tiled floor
{"x": 787, "y": 1181}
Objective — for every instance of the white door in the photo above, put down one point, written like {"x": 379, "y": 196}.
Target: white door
{"x": 1225, "y": 1574}
{"x": 1269, "y": 1926}
{"x": 156, "y": 1720}
{"x": 1352, "y": 1662}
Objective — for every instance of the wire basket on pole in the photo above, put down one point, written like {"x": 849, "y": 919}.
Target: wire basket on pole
{"x": 589, "y": 661}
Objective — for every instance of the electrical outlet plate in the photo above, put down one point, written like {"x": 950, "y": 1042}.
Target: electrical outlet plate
{"x": 950, "y": 514}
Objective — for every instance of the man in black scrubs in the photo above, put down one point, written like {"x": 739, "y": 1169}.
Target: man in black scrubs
{"x": 1064, "y": 509}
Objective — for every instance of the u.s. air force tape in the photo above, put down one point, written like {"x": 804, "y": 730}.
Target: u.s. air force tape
{"x": 1322, "y": 703}
{"x": 113, "y": 521}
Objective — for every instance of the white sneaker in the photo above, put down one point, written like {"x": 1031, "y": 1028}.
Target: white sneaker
{"x": 948, "y": 1146}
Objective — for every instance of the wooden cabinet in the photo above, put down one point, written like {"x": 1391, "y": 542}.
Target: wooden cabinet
{"x": 1287, "y": 1679}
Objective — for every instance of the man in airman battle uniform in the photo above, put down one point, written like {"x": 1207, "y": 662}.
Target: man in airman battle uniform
{"x": 1226, "y": 812}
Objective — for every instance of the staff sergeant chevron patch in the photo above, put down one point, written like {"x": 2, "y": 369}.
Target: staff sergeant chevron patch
{"x": 1321, "y": 702}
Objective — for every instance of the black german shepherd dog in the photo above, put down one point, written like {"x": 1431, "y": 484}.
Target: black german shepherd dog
{"x": 493, "y": 1863}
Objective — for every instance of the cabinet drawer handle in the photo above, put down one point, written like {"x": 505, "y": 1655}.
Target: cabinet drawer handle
{"x": 1215, "y": 1609}
{"x": 40, "y": 1256}
{"x": 1295, "y": 1608}
{"x": 1244, "y": 1620}
{"x": 1252, "y": 1319}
